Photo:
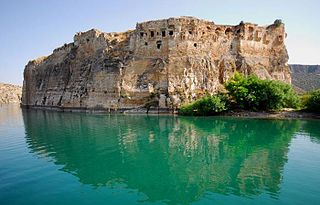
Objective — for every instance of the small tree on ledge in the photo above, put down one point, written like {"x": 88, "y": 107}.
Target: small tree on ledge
{"x": 277, "y": 22}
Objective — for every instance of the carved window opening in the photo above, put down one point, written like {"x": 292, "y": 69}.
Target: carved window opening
{"x": 257, "y": 36}
{"x": 145, "y": 43}
{"x": 152, "y": 33}
{"x": 251, "y": 33}
{"x": 157, "y": 33}
{"x": 228, "y": 31}
{"x": 163, "y": 33}
{"x": 159, "y": 44}
{"x": 195, "y": 45}
{"x": 190, "y": 32}
{"x": 265, "y": 39}
{"x": 88, "y": 40}
{"x": 141, "y": 34}
{"x": 218, "y": 30}
{"x": 170, "y": 33}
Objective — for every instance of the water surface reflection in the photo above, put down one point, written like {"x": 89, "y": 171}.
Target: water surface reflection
{"x": 172, "y": 159}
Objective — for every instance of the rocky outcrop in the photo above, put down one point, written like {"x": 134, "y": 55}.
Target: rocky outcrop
{"x": 10, "y": 93}
{"x": 305, "y": 77}
{"x": 161, "y": 63}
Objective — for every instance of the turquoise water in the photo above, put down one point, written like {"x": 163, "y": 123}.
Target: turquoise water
{"x": 77, "y": 158}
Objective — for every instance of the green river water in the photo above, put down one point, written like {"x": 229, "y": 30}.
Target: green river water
{"x": 77, "y": 158}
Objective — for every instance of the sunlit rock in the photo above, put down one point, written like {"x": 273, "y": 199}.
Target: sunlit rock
{"x": 173, "y": 61}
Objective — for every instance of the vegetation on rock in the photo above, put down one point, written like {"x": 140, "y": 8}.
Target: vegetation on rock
{"x": 305, "y": 77}
{"x": 208, "y": 105}
{"x": 252, "y": 93}
{"x": 277, "y": 22}
{"x": 248, "y": 93}
{"x": 118, "y": 71}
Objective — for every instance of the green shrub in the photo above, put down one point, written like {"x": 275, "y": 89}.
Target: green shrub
{"x": 277, "y": 22}
{"x": 304, "y": 100}
{"x": 208, "y": 105}
{"x": 280, "y": 95}
{"x": 312, "y": 101}
{"x": 252, "y": 93}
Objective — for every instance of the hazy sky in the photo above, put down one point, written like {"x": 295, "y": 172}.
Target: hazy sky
{"x": 33, "y": 28}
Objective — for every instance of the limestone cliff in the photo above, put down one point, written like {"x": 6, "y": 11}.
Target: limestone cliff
{"x": 10, "y": 93}
{"x": 162, "y": 63}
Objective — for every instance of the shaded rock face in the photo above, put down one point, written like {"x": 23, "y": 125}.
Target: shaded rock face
{"x": 162, "y": 63}
{"x": 10, "y": 93}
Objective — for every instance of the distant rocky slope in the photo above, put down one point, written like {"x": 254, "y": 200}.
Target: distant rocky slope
{"x": 162, "y": 63}
{"x": 305, "y": 77}
{"x": 10, "y": 93}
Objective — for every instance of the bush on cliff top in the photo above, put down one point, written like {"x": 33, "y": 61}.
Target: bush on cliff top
{"x": 208, "y": 105}
{"x": 252, "y": 93}
{"x": 277, "y": 22}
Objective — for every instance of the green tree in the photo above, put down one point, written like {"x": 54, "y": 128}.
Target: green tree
{"x": 208, "y": 105}
{"x": 312, "y": 103}
{"x": 252, "y": 93}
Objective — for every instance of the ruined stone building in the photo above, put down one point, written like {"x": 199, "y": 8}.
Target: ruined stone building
{"x": 168, "y": 62}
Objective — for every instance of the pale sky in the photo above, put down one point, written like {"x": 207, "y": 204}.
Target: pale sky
{"x": 33, "y": 28}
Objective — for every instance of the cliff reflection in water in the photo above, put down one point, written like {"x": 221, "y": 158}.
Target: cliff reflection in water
{"x": 172, "y": 159}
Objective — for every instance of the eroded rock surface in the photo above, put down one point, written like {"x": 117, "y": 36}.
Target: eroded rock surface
{"x": 10, "y": 93}
{"x": 161, "y": 63}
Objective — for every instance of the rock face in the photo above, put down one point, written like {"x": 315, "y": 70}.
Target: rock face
{"x": 161, "y": 63}
{"x": 305, "y": 77}
{"x": 10, "y": 93}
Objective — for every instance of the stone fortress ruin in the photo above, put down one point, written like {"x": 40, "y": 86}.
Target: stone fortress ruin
{"x": 162, "y": 63}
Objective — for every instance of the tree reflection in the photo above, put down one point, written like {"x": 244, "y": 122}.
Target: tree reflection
{"x": 311, "y": 128}
{"x": 172, "y": 159}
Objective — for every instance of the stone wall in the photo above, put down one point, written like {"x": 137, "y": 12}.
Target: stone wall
{"x": 161, "y": 63}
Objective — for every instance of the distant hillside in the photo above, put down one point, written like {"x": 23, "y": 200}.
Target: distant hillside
{"x": 10, "y": 93}
{"x": 305, "y": 77}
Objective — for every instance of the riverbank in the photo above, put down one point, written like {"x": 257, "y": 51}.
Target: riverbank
{"x": 285, "y": 114}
